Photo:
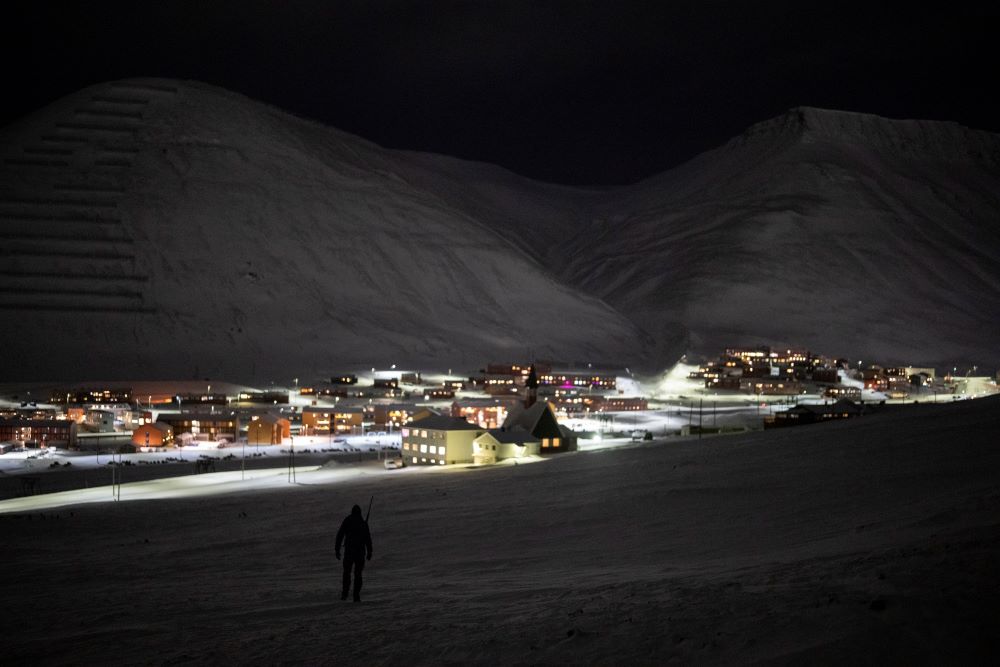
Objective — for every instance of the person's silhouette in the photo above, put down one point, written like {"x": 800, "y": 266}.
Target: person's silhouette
{"x": 357, "y": 542}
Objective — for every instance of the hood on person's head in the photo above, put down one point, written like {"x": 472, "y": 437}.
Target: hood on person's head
{"x": 356, "y": 510}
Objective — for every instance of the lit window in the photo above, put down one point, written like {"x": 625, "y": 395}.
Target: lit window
{"x": 423, "y": 449}
{"x": 414, "y": 459}
{"x": 441, "y": 462}
{"x": 441, "y": 450}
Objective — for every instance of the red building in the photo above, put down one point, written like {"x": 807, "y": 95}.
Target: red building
{"x": 39, "y": 432}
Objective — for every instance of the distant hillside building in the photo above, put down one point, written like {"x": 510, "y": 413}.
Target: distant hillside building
{"x": 578, "y": 379}
{"x": 272, "y": 397}
{"x": 92, "y": 396}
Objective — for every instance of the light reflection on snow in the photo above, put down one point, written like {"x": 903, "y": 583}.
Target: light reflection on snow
{"x": 221, "y": 483}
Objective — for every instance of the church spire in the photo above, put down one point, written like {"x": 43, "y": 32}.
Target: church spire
{"x": 531, "y": 384}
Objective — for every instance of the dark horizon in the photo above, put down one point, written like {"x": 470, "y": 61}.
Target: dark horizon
{"x": 580, "y": 93}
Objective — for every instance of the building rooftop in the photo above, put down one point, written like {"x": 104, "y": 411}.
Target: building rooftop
{"x": 443, "y": 423}
{"x": 517, "y": 436}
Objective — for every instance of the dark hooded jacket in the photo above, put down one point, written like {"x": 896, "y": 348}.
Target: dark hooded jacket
{"x": 354, "y": 536}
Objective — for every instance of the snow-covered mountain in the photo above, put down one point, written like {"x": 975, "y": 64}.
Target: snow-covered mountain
{"x": 190, "y": 231}
{"x": 848, "y": 233}
{"x": 161, "y": 228}
{"x": 845, "y": 232}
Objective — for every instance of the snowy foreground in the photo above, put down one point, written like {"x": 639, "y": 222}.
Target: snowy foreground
{"x": 869, "y": 541}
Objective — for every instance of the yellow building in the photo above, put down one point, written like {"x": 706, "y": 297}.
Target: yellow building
{"x": 497, "y": 445}
{"x": 437, "y": 440}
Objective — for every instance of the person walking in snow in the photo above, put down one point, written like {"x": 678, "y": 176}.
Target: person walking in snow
{"x": 357, "y": 543}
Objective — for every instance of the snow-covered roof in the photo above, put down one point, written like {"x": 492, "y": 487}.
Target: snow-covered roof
{"x": 517, "y": 436}
{"x": 443, "y": 423}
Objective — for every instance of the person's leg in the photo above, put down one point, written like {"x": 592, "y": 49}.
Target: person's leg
{"x": 347, "y": 578}
{"x": 359, "y": 565}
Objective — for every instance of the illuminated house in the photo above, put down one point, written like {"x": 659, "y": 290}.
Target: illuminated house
{"x": 502, "y": 385}
{"x": 40, "y": 432}
{"x": 31, "y": 413}
{"x": 749, "y": 354}
{"x": 571, "y": 401}
{"x": 851, "y": 393}
{"x": 729, "y": 383}
{"x": 317, "y": 419}
{"x": 497, "y": 445}
{"x": 437, "y": 440}
{"x": 540, "y": 421}
{"x": 349, "y": 420}
{"x": 204, "y": 426}
{"x": 396, "y": 416}
{"x": 157, "y": 434}
{"x": 438, "y": 393}
{"x": 268, "y": 430}
{"x": 321, "y": 419}
{"x": 772, "y": 386}
{"x": 99, "y": 421}
{"x": 488, "y": 413}
{"x": 517, "y": 370}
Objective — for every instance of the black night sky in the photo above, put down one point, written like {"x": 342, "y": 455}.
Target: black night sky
{"x": 590, "y": 93}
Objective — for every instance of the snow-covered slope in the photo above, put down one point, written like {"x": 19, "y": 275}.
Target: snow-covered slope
{"x": 187, "y": 231}
{"x": 869, "y": 541}
{"x": 849, "y": 233}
